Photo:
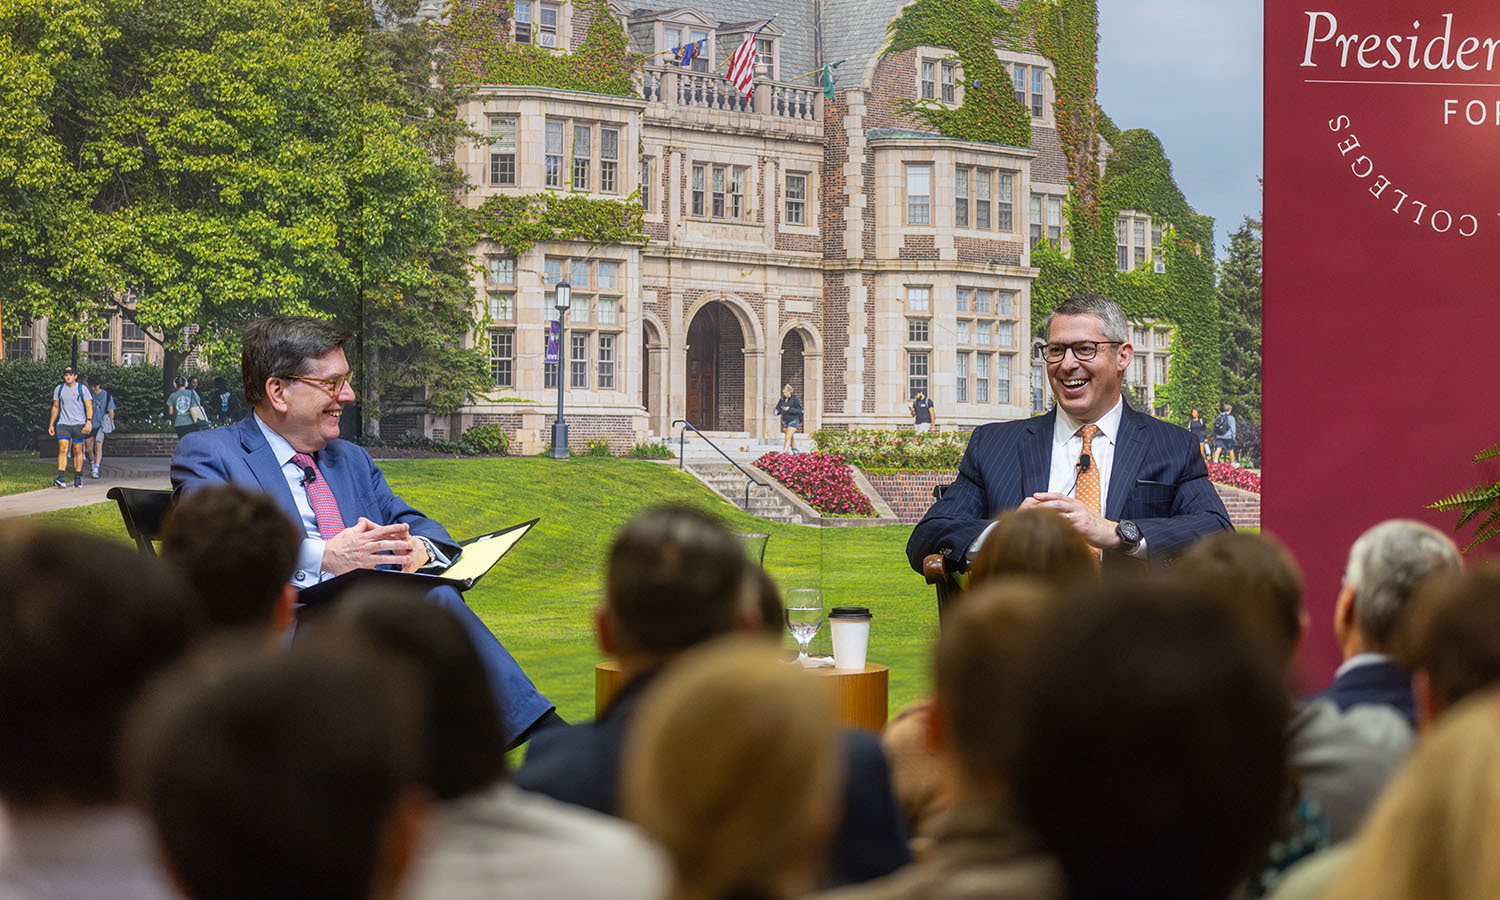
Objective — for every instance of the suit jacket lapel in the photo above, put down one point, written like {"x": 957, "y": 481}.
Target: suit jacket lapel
{"x": 1036, "y": 454}
{"x": 267, "y": 468}
{"x": 1130, "y": 451}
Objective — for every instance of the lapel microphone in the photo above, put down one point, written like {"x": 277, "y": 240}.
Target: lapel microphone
{"x": 1083, "y": 463}
{"x": 309, "y": 475}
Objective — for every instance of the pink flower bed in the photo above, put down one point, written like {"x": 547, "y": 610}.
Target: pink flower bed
{"x": 1224, "y": 473}
{"x": 820, "y": 479}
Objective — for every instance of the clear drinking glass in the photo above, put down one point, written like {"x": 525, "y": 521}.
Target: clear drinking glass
{"x": 804, "y": 617}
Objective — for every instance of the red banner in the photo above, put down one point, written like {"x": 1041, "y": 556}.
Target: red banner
{"x": 1382, "y": 272}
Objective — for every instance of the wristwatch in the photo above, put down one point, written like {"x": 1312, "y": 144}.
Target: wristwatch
{"x": 1130, "y": 536}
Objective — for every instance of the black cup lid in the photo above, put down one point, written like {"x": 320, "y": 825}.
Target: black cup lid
{"x": 849, "y": 612}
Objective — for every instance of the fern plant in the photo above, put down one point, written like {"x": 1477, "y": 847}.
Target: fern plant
{"x": 1482, "y": 500}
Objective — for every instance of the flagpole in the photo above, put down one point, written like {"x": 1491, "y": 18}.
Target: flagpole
{"x": 818, "y": 69}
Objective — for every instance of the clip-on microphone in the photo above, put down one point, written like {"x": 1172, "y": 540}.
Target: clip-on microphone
{"x": 309, "y": 475}
{"x": 1084, "y": 462}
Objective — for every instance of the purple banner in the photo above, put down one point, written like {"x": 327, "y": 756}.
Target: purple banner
{"x": 554, "y": 342}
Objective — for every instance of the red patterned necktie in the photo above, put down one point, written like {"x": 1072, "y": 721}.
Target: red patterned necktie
{"x": 324, "y": 507}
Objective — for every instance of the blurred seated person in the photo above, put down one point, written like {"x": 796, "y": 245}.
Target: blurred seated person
{"x": 85, "y": 624}
{"x": 677, "y": 578}
{"x": 488, "y": 834}
{"x": 734, "y": 764}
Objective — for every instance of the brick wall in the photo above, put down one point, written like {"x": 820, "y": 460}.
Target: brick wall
{"x": 984, "y": 250}
{"x": 582, "y": 429}
{"x": 910, "y": 493}
{"x": 832, "y": 191}
{"x": 835, "y": 342}
{"x": 919, "y": 246}
{"x": 508, "y": 422}
{"x": 868, "y": 405}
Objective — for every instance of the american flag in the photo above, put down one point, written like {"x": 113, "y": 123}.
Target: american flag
{"x": 742, "y": 64}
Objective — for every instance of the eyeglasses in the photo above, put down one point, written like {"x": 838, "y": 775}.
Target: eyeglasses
{"x": 1083, "y": 351}
{"x": 330, "y": 386}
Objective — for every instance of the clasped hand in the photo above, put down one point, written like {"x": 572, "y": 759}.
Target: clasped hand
{"x": 1097, "y": 530}
{"x": 365, "y": 545}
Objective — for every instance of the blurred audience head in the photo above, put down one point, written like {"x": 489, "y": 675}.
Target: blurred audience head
{"x": 734, "y": 765}
{"x": 1452, "y": 643}
{"x": 1386, "y": 565}
{"x": 84, "y": 624}
{"x": 1150, "y": 756}
{"x": 1034, "y": 542}
{"x": 978, "y": 662}
{"x": 676, "y": 578}
{"x": 237, "y": 550}
{"x": 1257, "y": 579}
{"x": 768, "y": 601}
{"x": 281, "y": 774}
{"x": 1434, "y": 831}
{"x": 465, "y": 750}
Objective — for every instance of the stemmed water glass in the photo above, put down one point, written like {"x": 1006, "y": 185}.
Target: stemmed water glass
{"x": 804, "y": 617}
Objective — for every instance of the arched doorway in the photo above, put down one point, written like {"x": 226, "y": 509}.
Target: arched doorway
{"x": 716, "y": 370}
{"x": 792, "y": 371}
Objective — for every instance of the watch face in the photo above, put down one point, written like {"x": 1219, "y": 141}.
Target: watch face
{"x": 1128, "y": 532}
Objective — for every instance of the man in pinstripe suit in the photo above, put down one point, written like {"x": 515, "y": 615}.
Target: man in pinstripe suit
{"x": 1131, "y": 484}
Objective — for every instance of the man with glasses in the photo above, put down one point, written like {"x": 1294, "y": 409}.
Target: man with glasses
{"x": 296, "y": 379}
{"x": 1130, "y": 484}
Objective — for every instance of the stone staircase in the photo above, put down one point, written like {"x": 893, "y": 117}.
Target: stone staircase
{"x": 729, "y": 483}
{"x": 739, "y": 448}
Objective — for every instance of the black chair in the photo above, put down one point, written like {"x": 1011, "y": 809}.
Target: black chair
{"x": 941, "y": 572}
{"x": 143, "y": 511}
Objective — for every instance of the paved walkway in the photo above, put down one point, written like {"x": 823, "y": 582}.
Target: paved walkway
{"x": 124, "y": 472}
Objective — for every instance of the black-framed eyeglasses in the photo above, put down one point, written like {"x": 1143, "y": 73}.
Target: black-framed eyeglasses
{"x": 1083, "y": 351}
{"x": 330, "y": 386}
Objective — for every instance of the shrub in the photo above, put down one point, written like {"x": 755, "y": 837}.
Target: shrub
{"x": 903, "y": 450}
{"x": 652, "y": 450}
{"x": 1224, "y": 473}
{"x": 820, "y": 479}
{"x": 482, "y": 440}
{"x": 598, "y": 448}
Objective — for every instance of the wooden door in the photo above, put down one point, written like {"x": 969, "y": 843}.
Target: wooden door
{"x": 703, "y": 369}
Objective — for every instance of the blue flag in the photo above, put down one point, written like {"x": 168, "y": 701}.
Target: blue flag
{"x": 686, "y": 53}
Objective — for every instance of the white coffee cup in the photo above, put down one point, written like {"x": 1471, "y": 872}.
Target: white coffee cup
{"x": 850, "y": 626}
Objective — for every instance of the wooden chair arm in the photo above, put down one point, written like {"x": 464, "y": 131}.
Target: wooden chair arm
{"x": 934, "y": 568}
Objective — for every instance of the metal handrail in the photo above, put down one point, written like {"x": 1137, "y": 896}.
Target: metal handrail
{"x": 682, "y": 456}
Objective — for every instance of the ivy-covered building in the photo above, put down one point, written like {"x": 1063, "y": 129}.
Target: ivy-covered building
{"x": 904, "y": 235}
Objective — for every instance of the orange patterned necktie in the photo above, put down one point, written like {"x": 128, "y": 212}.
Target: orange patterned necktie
{"x": 1088, "y": 479}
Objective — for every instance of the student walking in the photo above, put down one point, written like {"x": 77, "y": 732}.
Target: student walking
{"x": 103, "y": 421}
{"x": 70, "y": 422}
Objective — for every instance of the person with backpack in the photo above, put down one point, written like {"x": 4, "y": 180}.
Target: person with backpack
{"x": 70, "y": 421}
{"x": 1224, "y": 433}
{"x": 180, "y": 405}
{"x": 103, "y": 421}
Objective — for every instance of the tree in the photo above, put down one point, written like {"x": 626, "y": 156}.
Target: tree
{"x": 1240, "y": 312}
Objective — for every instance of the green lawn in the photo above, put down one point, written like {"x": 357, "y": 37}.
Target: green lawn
{"x": 22, "y": 472}
{"x": 538, "y": 600}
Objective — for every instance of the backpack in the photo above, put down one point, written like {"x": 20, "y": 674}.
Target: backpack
{"x": 1221, "y": 425}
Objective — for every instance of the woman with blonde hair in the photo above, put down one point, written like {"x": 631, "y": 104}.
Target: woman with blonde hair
{"x": 734, "y": 765}
{"x": 789, "y": 408}
{"x": 1435, "y": 832}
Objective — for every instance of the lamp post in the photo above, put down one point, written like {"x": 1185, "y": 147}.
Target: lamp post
{"x": 562, "y": 299}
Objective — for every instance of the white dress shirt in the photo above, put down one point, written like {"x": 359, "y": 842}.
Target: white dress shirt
{"x": 1067, "y": 446}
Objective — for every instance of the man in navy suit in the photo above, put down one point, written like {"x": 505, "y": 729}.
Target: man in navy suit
{"x": 1148, "y": 495}
{"x": 678, "y": 579}
{"x": 1386, "y": 566}
{"x": 296, "y": 378}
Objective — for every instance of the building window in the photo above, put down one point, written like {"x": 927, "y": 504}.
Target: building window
{"x": 961, "y": 178}
{"x": 672, "y": 39}
{"x": 796, "y": 198}
{"x": 981, "y": 378}
{"x": 1004, "y": 220}
{"x": 1155, "y": 241}
{"x": 982, "y": 198}
{"x": 1002, "y": 378}
{"x": 502, "y": 307}
{"x": 1130, "y": 242}
{"x": 1122, "y": 244}
{"x": 523, "y": 23}
{"x": 1140, "y": 241}
{"x": 551, "y": 271}
{"x": 578, "y": 312}
{"x": 1036, "y": 220}
{"x": 645, "y": 186}
{"x": 736, "y": 193}
{"x": 546, "y": 33}
{"x": 918, "y": 299}
{"x": 132, "y": 344}
{"x": 101, "y": 348}
{"x": 554, "y": 154}
{"x": 918, "y": 331}
{"x": 765, "y": 55}
{"x": 609, "y": 160}
{"x": 1036, "y": 92}
{"x": 607, "y": 273}
{"x": 19, "y": 347}
{"x": 963, "y": 331}
{"x": 502, "y": 151}
{"x": 502, "y": 357}
{"x": 982, "y": 333}
{"x": 716, "y": 194}
{"x": 918, "y": 194}
{"x": 916, "y": 373}
{"x": 606, "y": 362}
{"x": 1031, "y": 99}
{"x": 582, "y": 154}
{"x": 929, "y": 80}
{"x": 502, "y": 270}
{"x": 1054, "y": 221}
{"x": 726, "y": 191}
{"x": 1138, "y": 370}
{"x": 982, "y": 302}
{"x": 1038, "y": 388}
{"x": 609, "y": 311}
{"x": 578, "y": 360}
{"x": 950, "y": 82}
{"x": 961, "y": 378}
{"x": 699, "y": 174}
{"x": 1005, "y": 334}
{"x": 1161, "y": 370}
{"x": 578, "y": 274}
{"x": 549, "y": 374}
